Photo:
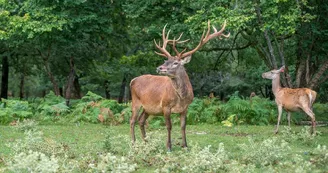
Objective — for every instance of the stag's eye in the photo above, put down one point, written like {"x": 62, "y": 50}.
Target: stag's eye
{"x": 175, "y": 63}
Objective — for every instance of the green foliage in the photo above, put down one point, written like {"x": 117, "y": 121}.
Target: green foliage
{"x": 93, "y": 108}
{"x": 304, "y": 137}
{"x": 320, "y": 111}
{"x": 112, "y": 163}
{"x": 259, "y": 111}
{"x": 265, "y": 153}
{"x": 320, "y": 156}
{"x": 26, "y": 125}
{"x": 90, "y": 96}
{"x": 51, "y": 107}
{"x": 33, "y": 161}
{"x": 198, "y": 160}
{"x": 11, "y": 110}
{"x": 204, "y": 111}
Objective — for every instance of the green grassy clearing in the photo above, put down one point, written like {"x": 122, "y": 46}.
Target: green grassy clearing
{"x": 84, "y": 142}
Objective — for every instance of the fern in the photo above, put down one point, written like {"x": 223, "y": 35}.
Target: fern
{"x": 90, "y": 96}
{"x": 14, "y": 110}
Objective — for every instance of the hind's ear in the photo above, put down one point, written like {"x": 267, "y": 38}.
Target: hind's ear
{"x": 186, "y": 60}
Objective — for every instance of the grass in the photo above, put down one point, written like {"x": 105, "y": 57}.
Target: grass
{"x": 83, "y": 139}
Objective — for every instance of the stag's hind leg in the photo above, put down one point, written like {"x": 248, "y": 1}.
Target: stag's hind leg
{"x": 135, "y": 111}
{"x": 142, "y": 119}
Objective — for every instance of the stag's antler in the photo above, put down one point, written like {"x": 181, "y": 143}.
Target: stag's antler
{"x": 181, "y": 55}
{"x": 164, "y": 53}
{"x": 207, "y": 38}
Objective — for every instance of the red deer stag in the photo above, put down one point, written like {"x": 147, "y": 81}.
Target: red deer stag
{"x": 291, "y": 99}
{"x": 172, "y": 93}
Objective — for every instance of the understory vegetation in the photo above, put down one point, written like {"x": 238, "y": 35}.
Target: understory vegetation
{"x": 92, "y": 108}
{"x": 45, "y": 135}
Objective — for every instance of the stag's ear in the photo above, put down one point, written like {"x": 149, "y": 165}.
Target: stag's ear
{"x": 186, "y": 60}
{"x": 282, "y": 69}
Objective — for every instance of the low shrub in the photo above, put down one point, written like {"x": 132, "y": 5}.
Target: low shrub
{"x": 14, "y": 110}
{"x": 112, "y": 163}
{"x": 304, "y": 137}
{"x": 269, "y": 152}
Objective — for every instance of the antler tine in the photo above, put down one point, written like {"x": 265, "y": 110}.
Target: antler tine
{"x": 174, "y": 48}
{"x": 216, "y": 33}
{"x": 200, "y": 44}
{"x": 164, "y": 53}
{"x": 180, "y": 38}
{"x": 207, "y": 37}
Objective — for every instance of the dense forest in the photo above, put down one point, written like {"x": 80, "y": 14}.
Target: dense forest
{"x": 66, "y": 67}
{"x": 71, "y": 47}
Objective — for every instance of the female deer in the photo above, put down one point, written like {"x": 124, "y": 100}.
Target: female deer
{"x": 291, "y": 99}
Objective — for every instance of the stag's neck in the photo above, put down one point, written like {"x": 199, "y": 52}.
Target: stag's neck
{"x": 276, "y": 85}
{"x": 182, "y": 85}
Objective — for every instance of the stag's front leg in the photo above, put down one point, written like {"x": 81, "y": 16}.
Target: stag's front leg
{"x": 167, "y": 116}
{"x": 183, "y": 118}
{"x": 279, "y": 116}
{"x": 142, "y": 119}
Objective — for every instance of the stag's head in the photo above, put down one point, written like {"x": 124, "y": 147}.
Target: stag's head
{"x": 273, "y": 73}
{"x": 174, "y": 63}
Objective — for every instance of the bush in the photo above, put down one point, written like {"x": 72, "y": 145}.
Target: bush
{"x": 304, "y": 137}
{"x": 260, "y": 112}
{"x": 51, "y": 108}
{"x": 197, "y": 160}
{"x": 204, "y": 111}
{"x": 111, "y": 163}
{"x": 269, "y": 152}
{"x": 14, "y": 110}
{"x": 33, "y": 161}
{"x": 93, "y": 108}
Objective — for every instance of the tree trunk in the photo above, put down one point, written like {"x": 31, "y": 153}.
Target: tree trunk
{"x": 122, "y": 90}
{"x": 5, "y": 77}
{"x": 46, "y": 65}
{"x": 52, "y": 78}
{"x": 267, "y": 38}
{"x": 77, "y": 87}
{"x": 315, "y": 80}
{"x": 107, "y": 89}
{"x": 300, "y": 72}
{"x": 21, "y": 86}
{"x": 70, "y": 82}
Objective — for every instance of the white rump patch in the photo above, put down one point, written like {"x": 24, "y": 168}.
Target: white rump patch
{"x": 310, "y": 95}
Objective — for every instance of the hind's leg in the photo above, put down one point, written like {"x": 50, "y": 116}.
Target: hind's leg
{"x": 279, "y": 116}
{"x": 309, "y": 112}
